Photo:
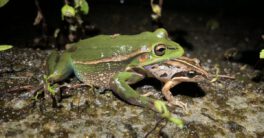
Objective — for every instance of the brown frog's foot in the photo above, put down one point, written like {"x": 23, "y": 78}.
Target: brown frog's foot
{"x": 175, "y": 102}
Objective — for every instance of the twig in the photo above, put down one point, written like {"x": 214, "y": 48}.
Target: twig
{"x": 156, "y": 125}
{"x": 74, "y": 86}
{"x": 40, "y": 17}
{"x": 226, "y": 76}
{"x": 18, "y": 89}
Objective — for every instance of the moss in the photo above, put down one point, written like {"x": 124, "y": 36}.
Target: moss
{"x": 199, "y": 130}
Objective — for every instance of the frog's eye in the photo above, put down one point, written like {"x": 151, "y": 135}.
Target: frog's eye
{"x": 160, "y": 50}
{"x": 191, "y": 74}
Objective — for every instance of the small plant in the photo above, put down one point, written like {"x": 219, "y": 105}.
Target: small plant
{"x": 3, "y": 2}
{"x": 5, "y": 47}
{"x": 80, "y": 7}
{"x": 261, "y": 55}
{"x": 72, "y": 13}
{"x": 156, "y": 9}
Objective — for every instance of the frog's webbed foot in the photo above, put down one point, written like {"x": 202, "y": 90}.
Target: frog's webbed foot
{"x": 53, "y": 91}
{"x": 47, "y": 90}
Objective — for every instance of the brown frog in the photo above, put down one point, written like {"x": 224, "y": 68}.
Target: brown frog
{"x": 174, "y": 71}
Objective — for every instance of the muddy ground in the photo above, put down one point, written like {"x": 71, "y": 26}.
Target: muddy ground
{"x": 223, "y": 108}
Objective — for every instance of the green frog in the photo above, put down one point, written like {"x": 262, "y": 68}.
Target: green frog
{"x": 115, "y": 62}
{"x": 174, "y": 71}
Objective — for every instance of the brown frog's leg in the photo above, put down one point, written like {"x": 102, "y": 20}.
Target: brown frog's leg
{"x": 168, "y": 96}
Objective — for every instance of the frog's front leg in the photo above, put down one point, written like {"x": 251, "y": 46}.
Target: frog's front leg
{"x": 168, "y": 96}
{"x": 120, "y": 85}
{"x": 59, "y": 68}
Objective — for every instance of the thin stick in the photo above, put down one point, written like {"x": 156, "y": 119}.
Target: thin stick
{"x": 18, "y": 89}
{"x": 226, "y": 76}
{"x": 156, "y": 125}
{"x": 74, "y": 86}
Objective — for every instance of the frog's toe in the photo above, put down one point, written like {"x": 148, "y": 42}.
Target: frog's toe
{"x": 181, "y": 104}
{"x": 148, "y": 94}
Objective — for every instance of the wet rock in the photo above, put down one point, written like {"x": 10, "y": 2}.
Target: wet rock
{"x": 237, "y": 102}
{"x": 13, "y": 133}
{"x": 18, "y": 67}
{"x": 234, "y": 127}
{"x": 18, "y": 103}
{"x": 51, "y": 127}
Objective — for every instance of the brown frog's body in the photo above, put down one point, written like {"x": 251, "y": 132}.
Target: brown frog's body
{"x": 175, "y": 71}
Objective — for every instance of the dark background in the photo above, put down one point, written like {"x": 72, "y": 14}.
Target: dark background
{"x": 133, "y": 16}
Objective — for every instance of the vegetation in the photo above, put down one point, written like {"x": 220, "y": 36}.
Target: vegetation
{"x": 5, "y": 47}
{"x": 3, "y": 3}
{"x": 261, "y": 55}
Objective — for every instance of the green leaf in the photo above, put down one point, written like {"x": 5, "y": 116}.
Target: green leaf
{"x": 261, "y": 55}
{"x": 3, "y": 2}
{"x": 67, "y": 11}
{"x": 84, "y": 7}
{"x": 5, "y": 47}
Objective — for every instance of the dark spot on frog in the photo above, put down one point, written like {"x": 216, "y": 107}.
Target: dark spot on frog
{"x": 163, "y": 75}
{"x": 153, "y": 67}
{"x": 178, "y": 74}
{"x": 234, "y": 127}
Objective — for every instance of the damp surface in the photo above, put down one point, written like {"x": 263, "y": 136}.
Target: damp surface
{"x": 223, "y": 40}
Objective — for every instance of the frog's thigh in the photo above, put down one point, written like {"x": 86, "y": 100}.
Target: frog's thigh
{"x": 120, "y": 85}
{"x": 52, "y": 61}
{"x": 61, "y": 69}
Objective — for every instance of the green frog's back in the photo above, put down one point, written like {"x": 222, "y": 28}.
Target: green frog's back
{"x": 97, "y": 59}
{"x": 104, "y": 46}
{"x": 88, "y": 52}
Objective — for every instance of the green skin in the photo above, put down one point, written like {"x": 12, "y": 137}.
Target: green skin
{"x": 115, "y": 62}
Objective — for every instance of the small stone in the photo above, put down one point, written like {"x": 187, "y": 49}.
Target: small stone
{"x": 20, "y": 104}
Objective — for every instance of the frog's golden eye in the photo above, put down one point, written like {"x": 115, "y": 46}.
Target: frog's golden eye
{"x": 160, "y": 50}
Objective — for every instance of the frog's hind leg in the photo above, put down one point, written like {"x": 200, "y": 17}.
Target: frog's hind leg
{"x": 59, "y": 67}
